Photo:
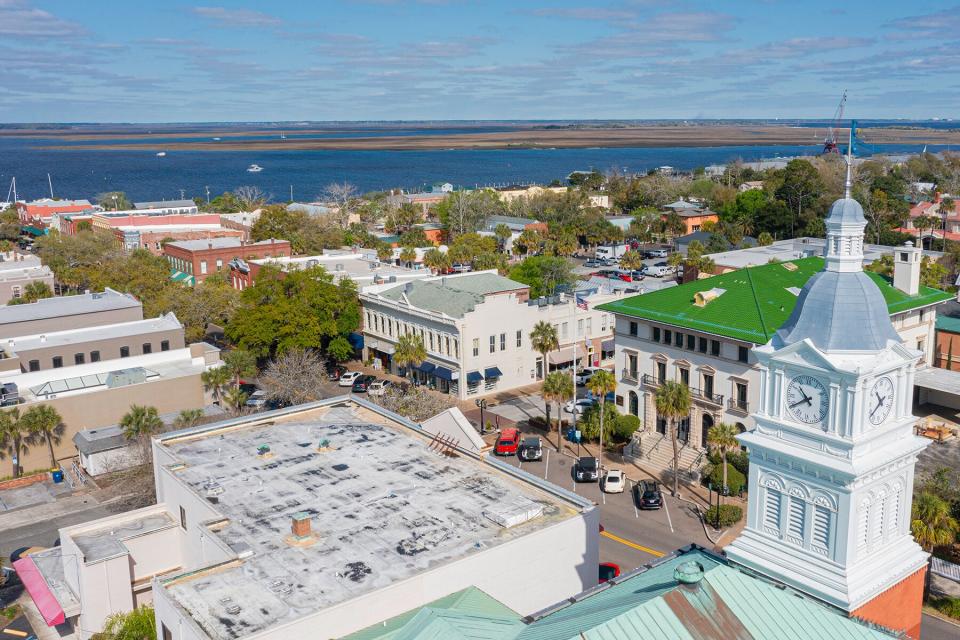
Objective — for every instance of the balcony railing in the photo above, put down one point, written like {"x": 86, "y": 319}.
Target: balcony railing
{"x": 630, "y": 375}
{"x": 738, "y": 405}
{"x": 695, "y": 393}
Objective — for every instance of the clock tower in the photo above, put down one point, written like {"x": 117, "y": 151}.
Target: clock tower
{"x": 833, "y": 453}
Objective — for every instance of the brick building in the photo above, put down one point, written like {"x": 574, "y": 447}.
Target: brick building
{"x": 192, "y": 261}
{"x": 40, "y": 211}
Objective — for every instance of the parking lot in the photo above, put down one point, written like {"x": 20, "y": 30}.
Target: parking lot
{"x": 584, "y": 271}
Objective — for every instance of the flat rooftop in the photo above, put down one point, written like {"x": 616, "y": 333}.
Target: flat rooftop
{"x": 105, "y": 543}
{"x": 383, "y": 507}
{"x": 362, "y": 268}
{"x": 59, "y": 306}
{"x": 223, "y": 243}
{"x": 784, "y": 250}
{"x": 83, "y": 335}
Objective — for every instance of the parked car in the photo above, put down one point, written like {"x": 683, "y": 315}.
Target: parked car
{"x": 608, "y": 571}
{"x": 461, "y": 268}
{"x": 581, "y": 405}
{"x": 531, "y": 449}
{"x": 334, "y": 372}
{"x": 507, "y": 443}
{"x": 656, "y": 253}
{"x": 10, "y": 586}
{"x": 659, "y": 269}
{"x": 592, "y": 263}
{"x": 610, "y": 397}
{"x": 586, "y": 470}
{"x": 647, "y": 495}
{"x": 257, "y": 399}
{"x": 614, "y": 481}
{"x": 637, "y": 275}
{"x": 361, "y": 384}
{"x": 347, "y": 378}
{"x": 379, "y": 387}
{"x": 585, "y": 374}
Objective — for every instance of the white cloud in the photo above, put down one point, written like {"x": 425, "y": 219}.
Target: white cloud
{"x": 243, "y": 18}
{"x": 19, "y": 18}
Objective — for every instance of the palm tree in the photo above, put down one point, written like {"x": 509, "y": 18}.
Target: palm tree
{"x": 723, "y": 438}
{"x": 43, "y": 421}
{"x": 931, "y": 522}
{"x": 600, "y": 384}
{"x": 408, "y": 255}
{"x": 502, "y": 233}
{"x": 214, "y": 380}
{"x": 673, "y": 404}
{"x": 528, "y": 241}
{"x": 140, "y": 422}
{"x": 234, "y": 398}
{"x": 240, "y": 363}
{"x": 557, "y": 387}
{"x": 384, "y": 252}
{"x": 435, "y": 259}
{"x": 14, "y": 438}
{"x": 409, "y": 351}
{"x": 544, "y": 339}
{"x": 188, "y": 418}
{"x": 631, "y": 260}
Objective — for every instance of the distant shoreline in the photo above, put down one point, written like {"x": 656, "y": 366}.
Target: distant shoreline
{"x": 521, "y": 138}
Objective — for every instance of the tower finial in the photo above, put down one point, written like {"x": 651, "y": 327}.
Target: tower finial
{"x": 848, "y": 185}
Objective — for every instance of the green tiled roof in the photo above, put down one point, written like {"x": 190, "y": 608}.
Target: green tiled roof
{"x": 727, "y": 603}
{"x": 488, "y": 619}
{"x": 755, "y": 303}
{"x": 948, "y": 323}
{"x": 454, "y": 296}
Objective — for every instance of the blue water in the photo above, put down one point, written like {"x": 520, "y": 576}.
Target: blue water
{"x": 143, "y": 176}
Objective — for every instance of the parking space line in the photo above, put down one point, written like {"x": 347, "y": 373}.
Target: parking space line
{"x": 15, "y": 632}
{"x": 632, "y": 545}
{"x": 669, "y": 521}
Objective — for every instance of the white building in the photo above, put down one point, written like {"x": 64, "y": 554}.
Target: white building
{"x": 364, "y": 268}
{"x": 313, "y": 522}
{"x": 701, "y": 333}
{"x": 165, "y": 207}
{"x": 476, "y": 330}
{"x": 833, "y": 453}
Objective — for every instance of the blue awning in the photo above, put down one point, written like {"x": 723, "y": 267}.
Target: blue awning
{"x": 473, "y": 377}
{"x": 356, "y": 340}
{"x": 492, "y": 372}
{"x": 607, "y": 345}
{"x": 443, "y": 372}
{"x": 426, "y": 367}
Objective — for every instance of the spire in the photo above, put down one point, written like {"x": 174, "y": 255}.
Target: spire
{"x": 848, "y": 185}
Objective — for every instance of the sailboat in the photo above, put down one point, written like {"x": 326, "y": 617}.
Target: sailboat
{"x": 283, "y": 136}
{"x": 162, "y": 154}
{"x": 254, "y": 168}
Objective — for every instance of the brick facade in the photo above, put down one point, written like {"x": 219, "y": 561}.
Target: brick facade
{"x": 202, "y": 262}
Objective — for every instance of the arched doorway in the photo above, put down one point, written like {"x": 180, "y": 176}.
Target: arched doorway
{"x": 741, "y": 429}
{"x": 634, "y": 404}
{"x": 705, "y": 426}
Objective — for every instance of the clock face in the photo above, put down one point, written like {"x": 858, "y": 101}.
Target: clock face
{"x": 880, "y": 401}
{"x": 807, "y": 399}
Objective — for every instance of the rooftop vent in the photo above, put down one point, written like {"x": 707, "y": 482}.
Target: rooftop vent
{"x": 513, "y": 513}
{"x": 703, "y": 298}
{"x": 689, "y": 573}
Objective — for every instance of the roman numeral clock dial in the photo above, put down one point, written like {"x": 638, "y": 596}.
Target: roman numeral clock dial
{"x": 880, "y": 401}
{"x": 807, "y": 399}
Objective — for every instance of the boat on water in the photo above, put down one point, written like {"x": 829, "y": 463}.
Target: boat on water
{"x": 254, "y": 168}
{"x": 217, "y": 139}
{"x": 161, "y": 154}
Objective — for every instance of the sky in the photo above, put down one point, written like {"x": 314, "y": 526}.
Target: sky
{"x": 173, "y": 61}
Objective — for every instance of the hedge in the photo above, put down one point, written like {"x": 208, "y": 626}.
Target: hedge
{"x": 730, "y": 514}
{"x": 735, "y": 479}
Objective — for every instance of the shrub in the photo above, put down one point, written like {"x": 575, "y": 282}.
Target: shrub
{"x": 625, "y": 427}
{"x": 739, "y": 459}
{"x": 946, "y": 605}
{"x": 730, "y": 514}
{"x": 735, "y": 479}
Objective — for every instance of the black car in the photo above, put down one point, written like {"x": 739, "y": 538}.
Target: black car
{"x": 334, "y": 372}
{"x": 647, "y": 495}
{"x": 530, "y": 449}
{"x": 586, "y": 469}
{"x": 363, "y": 383}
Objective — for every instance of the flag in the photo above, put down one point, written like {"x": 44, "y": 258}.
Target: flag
{"x": 581, "y": 303}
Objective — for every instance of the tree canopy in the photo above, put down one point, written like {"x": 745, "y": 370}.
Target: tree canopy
{"x": 543, "y": 273}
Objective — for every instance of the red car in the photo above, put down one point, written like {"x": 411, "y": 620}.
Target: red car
{"x": 507, "y": 443}
{"x": 608, "y": 571}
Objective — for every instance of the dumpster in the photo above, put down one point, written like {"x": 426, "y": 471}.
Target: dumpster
{"x": 57, "y": 475}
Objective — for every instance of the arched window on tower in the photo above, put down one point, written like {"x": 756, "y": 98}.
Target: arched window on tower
{"x": 771, "y": 511}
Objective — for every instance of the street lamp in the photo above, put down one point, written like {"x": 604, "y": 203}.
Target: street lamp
{"x": 483, "y": 405}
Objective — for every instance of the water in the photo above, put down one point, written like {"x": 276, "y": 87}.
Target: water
{"x": 144, "y": 176}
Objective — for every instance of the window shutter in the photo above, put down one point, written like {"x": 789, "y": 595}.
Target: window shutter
{"x": 821, "y": 527}
{"x": 877, "y": 533}
{"x": 795, "y": 519}
{"x": 893, "y": 519}
{"x": 771, "y": 512}
{"x": 863, "y": 524}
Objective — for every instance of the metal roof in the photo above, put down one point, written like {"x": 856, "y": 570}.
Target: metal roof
{"x": 58, "y": 306}
{"x": 453, "y": 296}
{"x": 165, "y": 204}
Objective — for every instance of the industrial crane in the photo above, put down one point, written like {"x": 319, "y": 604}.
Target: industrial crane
{"x": 833, "y": 130}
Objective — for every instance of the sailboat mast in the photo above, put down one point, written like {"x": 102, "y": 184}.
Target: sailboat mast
{"x": 50, "y": 182}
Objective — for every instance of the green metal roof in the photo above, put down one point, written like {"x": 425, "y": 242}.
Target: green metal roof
{"x": 948, "y": 323}
{"x": 727, "y": 603}
{"x": 756, "y": 300}
{"x": 470, "y": 606}
{"x": 454, "y": 296}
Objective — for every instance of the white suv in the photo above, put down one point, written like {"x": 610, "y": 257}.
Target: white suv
{"x": 584, "y": 375}
{"x": 348, "y": 378}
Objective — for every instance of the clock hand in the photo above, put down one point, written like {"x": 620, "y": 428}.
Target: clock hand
{"x": 807, "y": 400}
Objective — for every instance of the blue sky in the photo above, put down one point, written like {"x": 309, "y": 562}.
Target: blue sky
{"x": 149, "y": 61}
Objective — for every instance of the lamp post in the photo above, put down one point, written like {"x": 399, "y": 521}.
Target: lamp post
{"x": 483, "y": 405}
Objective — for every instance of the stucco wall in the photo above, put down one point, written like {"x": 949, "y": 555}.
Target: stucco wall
{"x": 76, "y": 321}
{"x": 109, "y": 348}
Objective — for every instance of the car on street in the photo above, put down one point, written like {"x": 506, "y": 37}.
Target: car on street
{"x": 584, "y": 375}
{"x": 595, "y": 399}
{"x": 613, "y": 481}
{"x": 608, "y": 571}
{"x": 461, "y": 268}
{"x": 586, "y": 469}
{"x": 593, "y": 263}
{"x": 347, "y": 378}
{"x": 647, "y": 495}
{"x": 531, "y": 449}
{"x": 361, "y": 384}
{"x": 581, "y": 405}
{"x": 257, "y": 399}
{"x": 655, "y": 253}
{"x": 507, "y": 443}
{"x": 379, "y": 388}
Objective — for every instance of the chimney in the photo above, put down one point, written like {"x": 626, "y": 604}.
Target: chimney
{"x": 906, "y": 268}
{"x": 300, "y": 525}
{"x": 209, "y": 244}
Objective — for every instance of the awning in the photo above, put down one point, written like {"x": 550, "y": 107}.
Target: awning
{"x": 474, "y": 377}
{"x": 356, "y": 340}
{"x": 565, "y": 355}
{"x": 37, "y": 587}
{"x": 492, "y": 372}
{"x": 444, "y": 373}
{"x": 607, "y": 345}
{"x": 185, "y": 278}
{"x": 34, "y": 231}
{"x": 426, "y": 367}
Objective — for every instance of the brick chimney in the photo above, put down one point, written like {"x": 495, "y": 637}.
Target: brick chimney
{"x": 300, "y": 525}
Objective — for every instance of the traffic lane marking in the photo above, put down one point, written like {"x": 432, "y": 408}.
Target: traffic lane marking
{"x": 632, "y": 545}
